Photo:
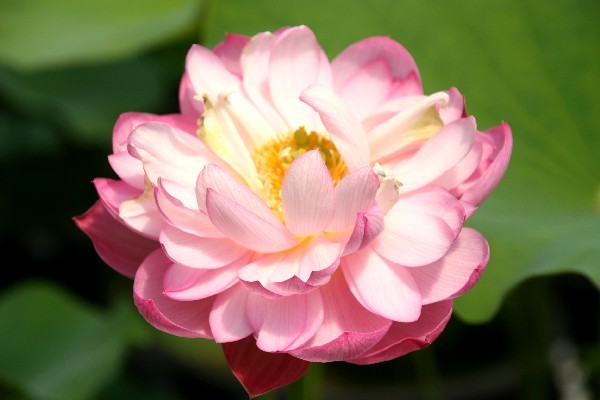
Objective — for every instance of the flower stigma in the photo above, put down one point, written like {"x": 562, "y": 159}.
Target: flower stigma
{"x": 273, "y": 159}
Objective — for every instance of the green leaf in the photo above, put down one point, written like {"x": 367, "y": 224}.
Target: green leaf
{"x": 531, "y": 63}
{"x": 38, "y": 34}
{"x": 55, "y": 347}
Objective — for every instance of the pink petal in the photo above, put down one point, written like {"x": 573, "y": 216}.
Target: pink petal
{"x": 168, "y": 153}
{"x": 368, "y": 226}
{"x": 368, "y": 88}
{"x": 285, "y": 323}
{"x": 119, "y": 247}
{"x": 255, "y": 61}
{"x": 228, "y": 320}
{"x": 440, "y": 153}
{"x": 199, "y": 252}
{"x": 142, "y": 215}
{"x": 307, "y": 195}
{"x": 383, "y": 288}
{"x": 129, "y": 169}
{"x": 297, "y": 62}
{"x": 208, "y": 74}
{"x": 355, "y": 193}
{"x": 420, "y": 228}
{"x": 480, "y": 189}
{"x": 113, "y": 193}
{"x": 229, "y": 52}
{"x": 189, "y": 104}
{"x": 346, "y": 131}
{"x": 260, "y": 372}
{"x": 403, "y": 338}
{"x": 184, "y": 283}
{"x": 455, "y": 109}
{"x": 245, "y": 227}
{"x": 348, "y": 329}
{"x": 456, "y": 176}
{"x": 357, "y": 56}
{"x": 180, "y": 318}
{"x": 413, "y": 124}
{"x": 459, "y": 268}
{"x": 189, "y": 220}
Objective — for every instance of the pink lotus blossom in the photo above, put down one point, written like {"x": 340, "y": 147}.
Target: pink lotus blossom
{"x": 299, "y": 210}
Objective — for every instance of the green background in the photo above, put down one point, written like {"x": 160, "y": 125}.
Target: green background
{"x": 68, "y": 327}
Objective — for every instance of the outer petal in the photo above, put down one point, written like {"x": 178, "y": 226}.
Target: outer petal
{"x": 355, "y": 193}
{"x": 261, "y": 372}
{"x": 245, "y": 227}
{"x": 118, "y": 246}
{"x": 189, "y": 104}
{"x": 440, "y": 153}
{"x": 113, "y": 193}
{"x": 142, "y": 215}
{"x": 457, "y": 271}
{"x": 187, "y": 319}
{"x": 285, "y": 323}
{"x": 199, "y": 252}
{"x": 348, "y": 329}
{"x": 403, "y": 338}
{"x": 297, "y": 61}
{"x": 228, "y": 320}
{"x": 307, "y": 195}
{"x": 346, "y": 131}
{"x": 420, "y": 228}
{"x": 487, "y": 181}
{"x": 357, "y": 56}
{"x": 381, "y": 287}
{"x": 229, "y": 51}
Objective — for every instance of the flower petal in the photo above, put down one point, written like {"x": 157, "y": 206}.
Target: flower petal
{"x": 354, "y": 193}
{"x": 199, "y": 252}
{"x": 297, "y": 61}
{"x": 285, "y": 323}
{"x": 260, "y": 372}
{"x": 208, "y": 74}
{"x": 420, "y": 228}
{"x": 307, "y": 195}
{"x": 180, "y": 318}
{"x": 459, "y": 268}
{"x": 118, "y": 246}
{"x": 403, "y": 338}
{"x": 348, "y": 329}
{"x": 229, "y": 51}
{"x": 383, "y": 288}
{"x": 440, "y": 153}
{"x": 245, "y": 227}
{"x": 228, "y": 320}
{"x": 346, "y": 131}
{"x": 368, "y": 226}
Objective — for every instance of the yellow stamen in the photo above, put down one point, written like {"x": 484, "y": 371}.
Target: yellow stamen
{"x": 273, "y": 159}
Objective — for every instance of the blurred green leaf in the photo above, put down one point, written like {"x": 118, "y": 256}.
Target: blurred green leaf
{"x": 40, "y": 34}
{"x": 86, "y": 101}
{"x": 55, "y": 347}
{"x": 531, "y": 63}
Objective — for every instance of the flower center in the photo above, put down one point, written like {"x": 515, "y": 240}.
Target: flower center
{"x": 273, "y": 159}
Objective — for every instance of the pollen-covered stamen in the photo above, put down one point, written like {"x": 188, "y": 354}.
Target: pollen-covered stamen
{"x": 273, "y": 159}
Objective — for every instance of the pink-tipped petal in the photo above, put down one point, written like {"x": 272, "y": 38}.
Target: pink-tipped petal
{"x": 190, "y": 105}
{"x": 457, "y": 271}
{"x": 141, "y": 214}
{"x": 357, "y": 56}
{"x": 403, "y": 338}
{"x": 307, "y": 195}
{"x": 285, "y": 323}
{"x": 118, "y": 246}
{"x": 420, "y": 228}
{"x": 455, "y": 109}
{"x": 208, "y": 74}
{"x": 229, "y": 51}
{"x": 228, "y": 320}
{"x": 383, "y": 288}
{"x": 113, "y": 193}
{"x": 502, "y": 137}
{"x": 260, "y": 372}
{"x": 368, "y": 226}
{"x": 348, "y": 329}
{"x": 245, "y": 227}
{"x": 345, "y": 129}
{"x": 448, "y": 147}
{"x": 199, "y": 252}
{"x": 129, "y": 169}
{"x": 180, "y": 318}
{"x": 297, "y": 62}
{"x": 353, "y": 194}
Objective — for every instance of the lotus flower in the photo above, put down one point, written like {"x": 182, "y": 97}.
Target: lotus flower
{"x": 298, "y": 210}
